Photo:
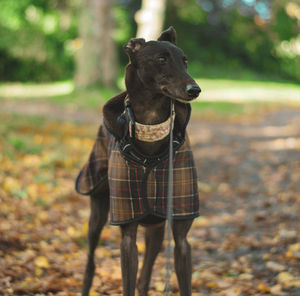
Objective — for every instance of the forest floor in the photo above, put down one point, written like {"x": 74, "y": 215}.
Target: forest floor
{"x": 246, "y": 241}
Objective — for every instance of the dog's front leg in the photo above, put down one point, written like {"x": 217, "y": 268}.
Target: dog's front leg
{"x": 183, "y": 257}
{"x": 154, "y": 235}
{"x": 129, "y": 258}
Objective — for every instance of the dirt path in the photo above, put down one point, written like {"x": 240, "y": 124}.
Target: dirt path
{"x": 247, "y": 240}
{"x": 49, "y": 110}
{"x": 250, "y": 181}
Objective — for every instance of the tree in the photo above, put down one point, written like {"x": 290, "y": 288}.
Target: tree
{"x": 96, "y": 60}
{"x": 150, "y": 19}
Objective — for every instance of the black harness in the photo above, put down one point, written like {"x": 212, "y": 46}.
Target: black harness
{"x": 129, "y": 150}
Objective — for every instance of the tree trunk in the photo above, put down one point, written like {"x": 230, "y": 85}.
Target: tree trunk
{"x": 150, "y": 19}
{"x": 96, "y": 60}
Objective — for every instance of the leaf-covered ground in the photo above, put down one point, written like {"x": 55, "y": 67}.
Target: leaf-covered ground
{"x": 246, "y": 242}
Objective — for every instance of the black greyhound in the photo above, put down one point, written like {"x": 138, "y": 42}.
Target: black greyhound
{"x": 156, "y": 74}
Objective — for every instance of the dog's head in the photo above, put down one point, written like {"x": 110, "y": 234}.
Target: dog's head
{"x": 161, "y": 66}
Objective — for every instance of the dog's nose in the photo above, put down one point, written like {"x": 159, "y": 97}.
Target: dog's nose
{"x": 193, "y": 90}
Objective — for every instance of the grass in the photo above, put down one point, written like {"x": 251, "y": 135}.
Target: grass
{"x": 223, "y": 97}
{"x": 219, "y": 107}
{"x": 241, "y": 91}
{"x": 61, "y": 93}
{"x": 238, "y": 111}
{"x": 85, "y": 98}
{"x": 231, "y": 83}
{"x": 35, "y": 90}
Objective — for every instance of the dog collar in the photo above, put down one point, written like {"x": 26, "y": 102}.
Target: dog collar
{"x": 153, "y": 132}
{"x": 147, "y": 132}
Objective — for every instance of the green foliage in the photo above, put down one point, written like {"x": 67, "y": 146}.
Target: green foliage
{"x": 36, "y": 35}
{"x": 39, "y": 38}
{"x": 228, "y": 40}
{"x": 284, "y": 26}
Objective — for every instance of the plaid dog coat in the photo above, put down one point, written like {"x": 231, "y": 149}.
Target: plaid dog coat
{"x": 138, "y": 183}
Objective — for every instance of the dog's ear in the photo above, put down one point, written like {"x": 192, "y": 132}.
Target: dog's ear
{"x": 134, "y": 45}
{"x": 168, "y": 35}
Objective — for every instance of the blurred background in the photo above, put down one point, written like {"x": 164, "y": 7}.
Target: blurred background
{"x": 61, "y": 60}
{"x": 50, "y": 40}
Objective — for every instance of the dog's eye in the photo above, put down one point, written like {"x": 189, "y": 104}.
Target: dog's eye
{"x": 185, "y": 60}
{"x": 162, "y": 60}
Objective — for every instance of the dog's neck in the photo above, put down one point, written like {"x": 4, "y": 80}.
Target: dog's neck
{"x": 150, "y": 109}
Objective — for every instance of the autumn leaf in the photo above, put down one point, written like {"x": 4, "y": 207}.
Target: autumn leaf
{"x": 93, "y": 293}
{"x": 141, "y": 247}
{"x": 42, "y": 262}
{"x": 288, "y": 280}
{"x": 275, "y": 266}
{"x": 160, "y": 286}
{"x": 262, "y": 287}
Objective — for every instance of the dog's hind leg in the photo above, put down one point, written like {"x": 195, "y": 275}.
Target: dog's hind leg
{"x": 98, "y": 218}
{"x": 154, "y": 235}
{"x": 129, "y": 258}
{"x": 183, "y": 258}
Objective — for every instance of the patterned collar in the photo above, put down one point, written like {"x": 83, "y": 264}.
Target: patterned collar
{"x": 150, "y": 132}
{"x": 153, "y": 132}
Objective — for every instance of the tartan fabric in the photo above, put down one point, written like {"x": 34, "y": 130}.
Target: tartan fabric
{"x": 94, "y": 171}
{"x": 136, "y": 191}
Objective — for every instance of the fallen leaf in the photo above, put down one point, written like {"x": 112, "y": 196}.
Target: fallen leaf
{"x": 262, "y": 287}
{"x": 41, "y": 262}
{"x": 294, "y": 247}
{"x": 234, "y": 291}
{"x": 212, "y": 285}
{"x": 106, "y": 234}
{"x": 141, "y": 247}
{"x": 204, "y": 187}
{"x": 276, "y": 290}
{"x": 275, "y": 266}
{"x": 38, "y": 271}
{"x": 159, "y": 286}
{"x": 201, "y": 221}
{"x": 11, "y": 185}
{"x": 103, "y": 253}
{"x": 288, "y": 280}
{"x": 246, "y": 276}
{"x": 293, "y": 283}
